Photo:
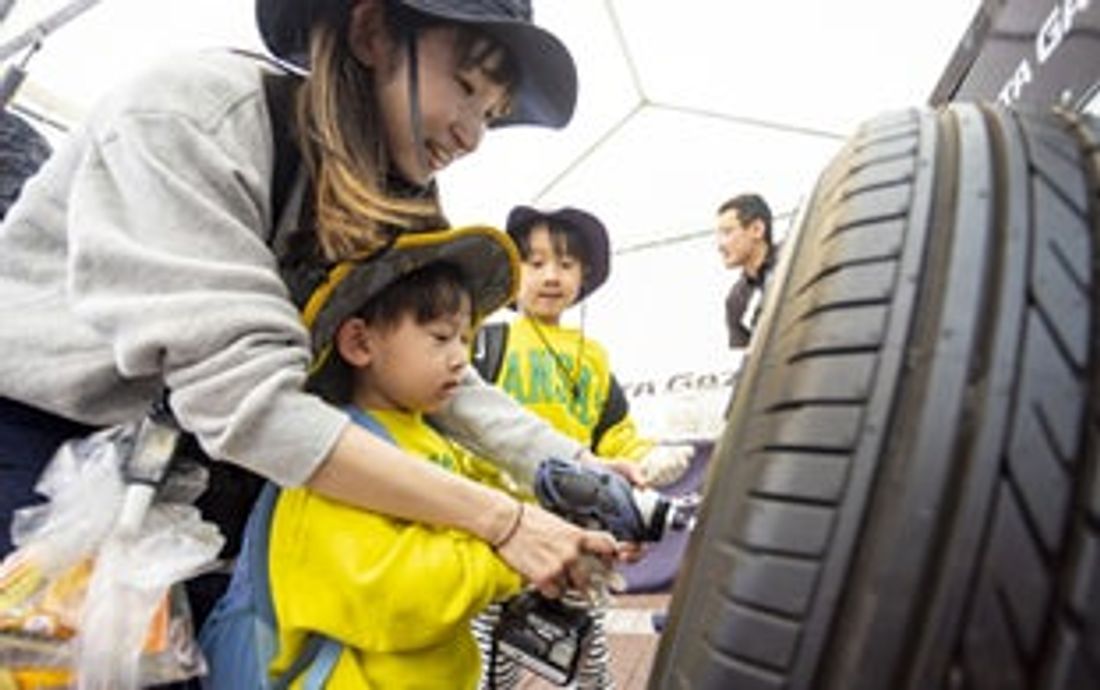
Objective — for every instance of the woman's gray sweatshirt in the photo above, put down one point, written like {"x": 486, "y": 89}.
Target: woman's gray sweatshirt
{"x": 137, "y": 259}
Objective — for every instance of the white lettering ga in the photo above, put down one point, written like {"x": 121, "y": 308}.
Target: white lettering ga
{"x": 1057, "y": 24}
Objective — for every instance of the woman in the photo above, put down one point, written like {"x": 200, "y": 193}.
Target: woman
{"x": 140, "y": 261}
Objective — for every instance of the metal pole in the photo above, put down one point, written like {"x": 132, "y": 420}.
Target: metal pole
{"x": 5, "y": 8}
{"x": 39, "y": 31}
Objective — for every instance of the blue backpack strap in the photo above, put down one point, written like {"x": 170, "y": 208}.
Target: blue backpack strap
{"x": 328, "y": 653}
{"x": 317, "y": 660}
{"x": 370, "y": 423}
{"x": 239, "y": 638}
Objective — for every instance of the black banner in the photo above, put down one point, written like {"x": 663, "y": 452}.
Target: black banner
{"x": 1043, "y": 52}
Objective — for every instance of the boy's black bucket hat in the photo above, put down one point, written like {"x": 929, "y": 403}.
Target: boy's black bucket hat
{"x": 546, "y": 92}
{"x": 486, "y": 257}
{"x": 591, "y": 231}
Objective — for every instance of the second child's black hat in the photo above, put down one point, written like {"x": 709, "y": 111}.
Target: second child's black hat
{"x": 546, "y": 91}
{"x": 587, "y": 226}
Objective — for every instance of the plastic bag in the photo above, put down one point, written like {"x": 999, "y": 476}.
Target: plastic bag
{"x": 87, "y": 605}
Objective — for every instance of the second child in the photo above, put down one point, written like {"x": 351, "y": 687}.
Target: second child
{"x": 564, "y": 376}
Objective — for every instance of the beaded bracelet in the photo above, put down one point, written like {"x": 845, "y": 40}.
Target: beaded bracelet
{"x": 512, "y": 528}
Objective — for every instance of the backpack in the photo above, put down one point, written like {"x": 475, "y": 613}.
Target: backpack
{"x": 489, "y": 346}
{"x": 239, "y": 638}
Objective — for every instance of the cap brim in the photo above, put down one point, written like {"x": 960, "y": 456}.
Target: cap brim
{"x": 546, "y": 92}
{"x": 486, "y": 256}
{"x": 284, "y": 27}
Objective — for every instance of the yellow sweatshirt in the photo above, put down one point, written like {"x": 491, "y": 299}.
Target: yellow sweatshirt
{"x": 398, "y": 595}
{"x": 566, "y": 384}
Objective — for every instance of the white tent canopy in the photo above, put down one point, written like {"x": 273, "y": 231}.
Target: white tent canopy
{"x": 681, "y": 106}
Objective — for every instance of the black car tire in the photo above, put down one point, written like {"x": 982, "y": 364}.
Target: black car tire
{"x": 906, "y": 494}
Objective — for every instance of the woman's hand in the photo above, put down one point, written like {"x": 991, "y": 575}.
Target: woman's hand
{"x": 548, "y": 551}
{"x": 628, "y": 552}
{"x": 365, "y": 471}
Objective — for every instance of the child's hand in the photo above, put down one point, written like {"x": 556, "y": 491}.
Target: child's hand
{"x": 603, "y": 581}
{"x": 664, "y": 465}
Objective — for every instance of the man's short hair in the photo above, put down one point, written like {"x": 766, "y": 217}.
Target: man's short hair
{"x": 750, "y": 207}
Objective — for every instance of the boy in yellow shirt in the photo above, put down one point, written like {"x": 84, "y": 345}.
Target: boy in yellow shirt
{"x": 565, "y": 377}
{"x": 398, "y": 596}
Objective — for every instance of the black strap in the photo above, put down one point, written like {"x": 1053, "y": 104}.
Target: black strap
{"x": 489, "y": 349}
{"x": 614, "y": 410}
{"x": 488, "y": 359}
{"x": 279, "y": 93}
{"x": 300, "y": 263}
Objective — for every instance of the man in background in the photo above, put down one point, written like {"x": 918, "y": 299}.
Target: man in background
{"x": 745, "y": 243}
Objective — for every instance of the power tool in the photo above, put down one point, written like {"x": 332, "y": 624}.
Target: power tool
{"x": 549, "y": 636}
{"x": 598, "y": 498}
